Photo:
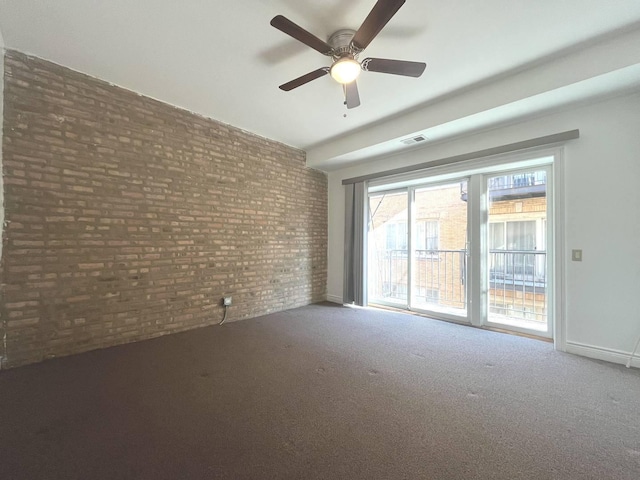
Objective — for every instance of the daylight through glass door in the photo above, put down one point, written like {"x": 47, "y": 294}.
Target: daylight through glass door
{"x": 440, "y": 249}
{"x": 517, "y": 250}
{"x": 388, "y": 244}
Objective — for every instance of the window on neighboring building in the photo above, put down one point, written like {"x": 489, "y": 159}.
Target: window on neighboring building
{"x": 512, "y": 235}
{"x": 521, "y": 238}
{"x": 396, "y": 236}
{"x": 430, "y": 295}
{"x": 428, "y": 235}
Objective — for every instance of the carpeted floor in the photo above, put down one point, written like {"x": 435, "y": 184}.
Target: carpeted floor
{"x": 322, "y": 392}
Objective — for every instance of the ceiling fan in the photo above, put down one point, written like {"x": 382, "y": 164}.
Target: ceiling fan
{"x": 344, "y": 46}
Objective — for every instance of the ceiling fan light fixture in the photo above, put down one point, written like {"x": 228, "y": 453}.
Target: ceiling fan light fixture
{"x": 345, "y": 70}
{"x": 344, "y": 46}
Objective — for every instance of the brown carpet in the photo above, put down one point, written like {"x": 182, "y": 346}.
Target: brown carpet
{"x": 322, "y": 392}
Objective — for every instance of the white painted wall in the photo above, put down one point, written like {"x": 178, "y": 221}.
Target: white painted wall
{"x": 602, "y": 195}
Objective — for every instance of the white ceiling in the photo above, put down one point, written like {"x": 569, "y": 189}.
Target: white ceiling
{"x": 223, "y": 60}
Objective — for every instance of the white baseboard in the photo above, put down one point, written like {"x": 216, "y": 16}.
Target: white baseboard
{"x": 599, "y": 353}
{"x": 590, "y": 351}
{"x": 334, "y": 299}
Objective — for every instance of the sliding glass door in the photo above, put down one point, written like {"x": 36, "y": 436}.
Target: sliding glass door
{"x": 417, "y": 249}
{"x": 388, "y": 248}
{"x": 439, "y": 249}
{"x": 474, "y": 248}
{"x": 517, "y": 255}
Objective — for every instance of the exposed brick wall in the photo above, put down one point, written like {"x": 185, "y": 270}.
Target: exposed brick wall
{"x": 129, "y": 218}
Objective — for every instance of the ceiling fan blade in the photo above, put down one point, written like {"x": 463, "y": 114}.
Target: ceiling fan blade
{"x": 351, "y": 95}
{"x": 287, "y": 26}
{"x": 321, "y": 72}
{"x": 378, "y": 17}
{"x": 395, "y": 67}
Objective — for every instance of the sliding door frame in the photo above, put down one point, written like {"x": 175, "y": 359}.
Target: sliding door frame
{"x": 549, "y": 249}
{"x": 380, "y": 301}
{"x": 476, "y": 171}
{"x": 464, "y": 319}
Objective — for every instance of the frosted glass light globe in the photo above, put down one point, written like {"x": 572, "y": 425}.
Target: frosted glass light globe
{"x": 345, "y": 70}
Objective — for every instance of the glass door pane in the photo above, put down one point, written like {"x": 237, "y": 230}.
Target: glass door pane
{"x": 388, "y": 243}
{"x": 517, "y": 253}
{"x": 439, "y": 267}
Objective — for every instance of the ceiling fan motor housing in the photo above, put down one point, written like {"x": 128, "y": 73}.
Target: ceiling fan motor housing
{"x": 340, "y": 41}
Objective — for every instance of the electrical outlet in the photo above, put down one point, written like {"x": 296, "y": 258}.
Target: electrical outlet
{"x": 226, "y": 301}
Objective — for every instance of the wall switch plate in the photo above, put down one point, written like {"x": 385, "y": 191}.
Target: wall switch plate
{"x": 226, "y": 301}
{"x": 576, "y": 255}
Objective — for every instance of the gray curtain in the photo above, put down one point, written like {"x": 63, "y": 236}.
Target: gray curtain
{"x": 354, "y": 234}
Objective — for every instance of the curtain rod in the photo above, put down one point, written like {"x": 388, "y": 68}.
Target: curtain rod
{"x": 512, "y": 147}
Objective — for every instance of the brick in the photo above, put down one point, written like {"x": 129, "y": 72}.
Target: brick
{"x": 129, "y": 218}
{"x": 24, "y": 322}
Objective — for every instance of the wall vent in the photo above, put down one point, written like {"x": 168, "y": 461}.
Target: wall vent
{"x": 414, "y": 140}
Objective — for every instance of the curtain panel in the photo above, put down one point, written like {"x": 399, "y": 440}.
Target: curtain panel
{"x": 354, "y": 239}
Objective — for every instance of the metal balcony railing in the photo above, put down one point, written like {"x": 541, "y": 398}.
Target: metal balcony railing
{"x": 524, "y": 270}
{"x": 513, "y": 186}
{"x": 440, "y": 276}
{"x": 393, "y": 281}
{"x": 517, "y": 280}
{"x": 517, "y": 181}
{"x": 518, "y": 186}
{"x": 518, "y": 286}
